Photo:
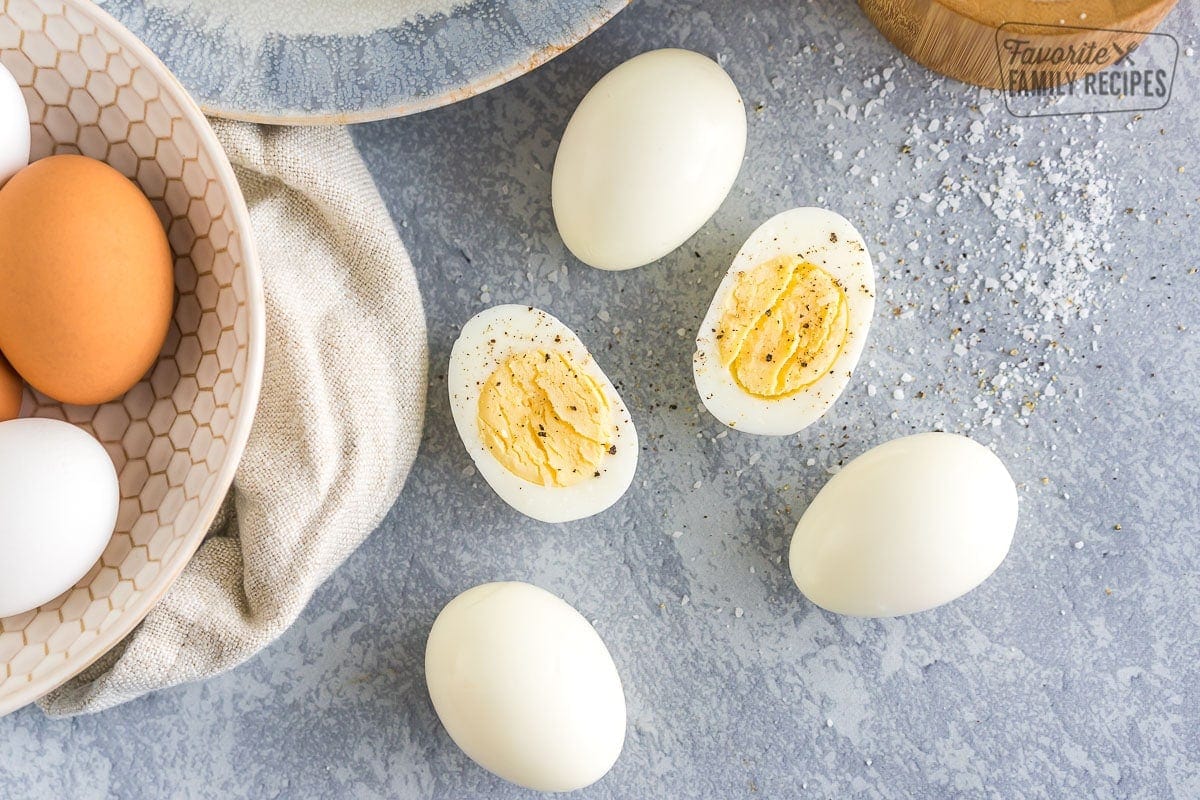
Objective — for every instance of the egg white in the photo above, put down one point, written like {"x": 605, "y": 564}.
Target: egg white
{"x": 649, "y": 155}
{"x": 907, "y": 526}
{"x": 830, "y": 242}
{"x": 489, "y": 338}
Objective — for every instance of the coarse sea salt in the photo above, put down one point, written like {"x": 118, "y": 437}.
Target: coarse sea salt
{"x": 1020, "y": 289}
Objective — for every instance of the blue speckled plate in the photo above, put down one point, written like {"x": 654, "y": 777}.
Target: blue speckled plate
{"x": 322, "y": 61}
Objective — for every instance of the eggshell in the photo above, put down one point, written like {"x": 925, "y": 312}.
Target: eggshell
{"x": 525, "y": 687}
{"x": 86, "y": 283}
{"x": 14, "y": 127}
{"x": 10, "y": 391}
{"x": 648, "y": 156}
{"x": 907, "y": 526}
{"x": 58, "y": 489}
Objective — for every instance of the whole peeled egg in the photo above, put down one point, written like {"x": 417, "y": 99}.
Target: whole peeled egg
{"x": 525, "y": 686}
{"x": 14, "y": 127}
{"x": 86, "y": 279}
{"x": 907, "y": 526}
{"x": 58, "y": 489}
{"x": 787, "y": 324}
{"x": 648, "y": 156}
{"x": 10, "y": 391}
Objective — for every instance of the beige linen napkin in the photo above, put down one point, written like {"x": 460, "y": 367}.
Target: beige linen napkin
{"x": 337, "y": 428}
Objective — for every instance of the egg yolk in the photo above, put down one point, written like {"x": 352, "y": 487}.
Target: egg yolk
{"x": 782, "y": 328}
{"x": 545, "y": 419}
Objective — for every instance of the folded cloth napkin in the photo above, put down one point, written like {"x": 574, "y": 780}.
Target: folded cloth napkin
{"x": 338, "y": 423}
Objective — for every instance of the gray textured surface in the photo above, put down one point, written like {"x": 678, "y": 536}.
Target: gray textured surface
{"x": 1072, "y": 672}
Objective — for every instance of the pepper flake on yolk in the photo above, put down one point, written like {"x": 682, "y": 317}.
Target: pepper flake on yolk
{"x": 782, "y": 328}
{"x": 545, "y": 419}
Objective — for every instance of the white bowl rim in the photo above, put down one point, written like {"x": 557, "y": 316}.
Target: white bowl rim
{"x": 135, "y": 612}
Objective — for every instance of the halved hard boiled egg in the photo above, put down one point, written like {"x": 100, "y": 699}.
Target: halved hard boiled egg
{"x": 543, "y": 423}
{"x": 787, "y": 324}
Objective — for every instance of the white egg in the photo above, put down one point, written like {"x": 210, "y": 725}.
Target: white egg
{"x": 14, "y": 127}
{"x": 543, "y": 423}
{"x": 525, "y": 686}
{"x": 649, "y": 155}
{"x": 787, "y": 325}
{"x": 907, "y": 526}
{"x": 58, "y": 493}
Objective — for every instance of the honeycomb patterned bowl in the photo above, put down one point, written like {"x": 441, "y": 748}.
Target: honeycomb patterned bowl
{"x": 177, "y": 436}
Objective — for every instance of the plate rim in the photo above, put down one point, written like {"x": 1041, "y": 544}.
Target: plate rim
{"x": 522, "y": 65}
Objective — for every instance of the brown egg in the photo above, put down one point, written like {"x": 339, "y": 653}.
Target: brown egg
{"x": 10, "y": 392}
{"x": 86, "y": 283}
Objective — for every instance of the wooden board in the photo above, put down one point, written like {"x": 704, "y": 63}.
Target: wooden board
{"x": 959, "y": 37}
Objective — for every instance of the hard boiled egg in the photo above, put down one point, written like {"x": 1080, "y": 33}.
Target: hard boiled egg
{"x": 906, "y": 526}
{"x": 541, "y": 420}
{"x": 526, "y": 687}
{"x": 787, "y": 324}
{"x": 648, "y": 156}
{"x": 14, "y": 127}
{"x": 58, "y": 492}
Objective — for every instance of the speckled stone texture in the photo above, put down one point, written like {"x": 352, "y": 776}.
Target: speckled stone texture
{"x": 1073, "y": 672}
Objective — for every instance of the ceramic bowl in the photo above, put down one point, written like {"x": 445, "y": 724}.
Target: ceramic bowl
{"x": 176, "y": 437}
